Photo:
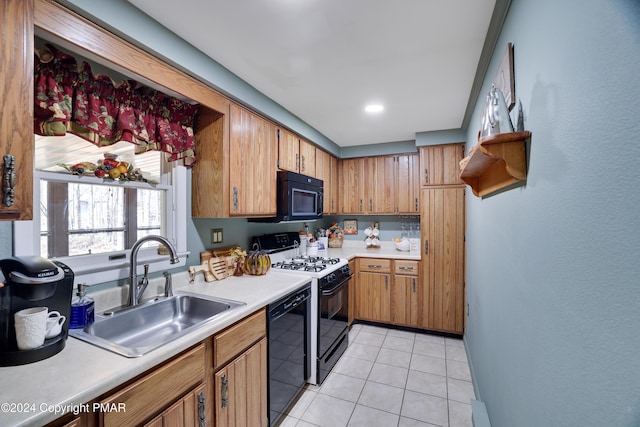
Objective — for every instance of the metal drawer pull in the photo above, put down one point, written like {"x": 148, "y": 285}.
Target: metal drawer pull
{"x": 374, "y": 266}
{"x": 405, "y": 268}
{"x": 224, "y": 390}
{"x": 9, "y": 180}
{"x": 202, "y": 419}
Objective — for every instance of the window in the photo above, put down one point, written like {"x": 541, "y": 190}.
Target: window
{"x": 89, "y": 222}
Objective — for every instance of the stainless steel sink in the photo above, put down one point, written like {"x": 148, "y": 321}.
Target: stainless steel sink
{"x": 135, "y": 331}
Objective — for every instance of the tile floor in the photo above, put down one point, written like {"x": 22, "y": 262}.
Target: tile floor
{"x": 391, "y": 378}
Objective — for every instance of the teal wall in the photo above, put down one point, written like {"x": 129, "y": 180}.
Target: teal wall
{"x": 552, "y": 269}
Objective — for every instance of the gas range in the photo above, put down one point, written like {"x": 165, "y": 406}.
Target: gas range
{"x": 285, "y": 255}
{"x": 316, "y": 264}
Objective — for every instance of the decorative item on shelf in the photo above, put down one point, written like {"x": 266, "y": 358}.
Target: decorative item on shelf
{"x": 109, "y": 169}
{"x": 257, "y": 262}
{"x": 238, "y": 255}
{"x": 336, "y": 236}
{"x": 372, "y": 241}
{"x": 499, "y": 158}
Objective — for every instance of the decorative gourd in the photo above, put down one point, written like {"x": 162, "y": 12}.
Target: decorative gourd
{"x": 257, "y": 262}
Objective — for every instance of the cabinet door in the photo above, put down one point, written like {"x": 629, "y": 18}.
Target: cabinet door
{"x": 373, "y": 297}
{"x": 352, "y": 186}
{"x": 252, "y": 171}
{"x": 288, "y": 150}
{"x": 404, "y": 300}
{"x": 241, "y": 389}
{"x": 335, "y": 172}
{"x": 442, "y": 225}
{"x": 307, "y": 158}
{"x": 323, "y": 172}
{"x": 381, "y": 174}
{"x": 440, "y": 164}
{"x": 407, "y": 186}
{"x": 16, "y": 114}
{"x": 190, "y": 411}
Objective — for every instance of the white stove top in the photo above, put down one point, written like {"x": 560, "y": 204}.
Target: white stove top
{"x": 316, "y": 266}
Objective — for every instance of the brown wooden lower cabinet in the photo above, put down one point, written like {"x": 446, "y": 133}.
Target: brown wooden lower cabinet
{"x": 405, "y": 293}
{"x": 241, "y": 389}
{"x": 373, "y": 294}
{"x": 155, "y": 391}
{"x": 220, "y": 382}
{"x": 190, "y": 411}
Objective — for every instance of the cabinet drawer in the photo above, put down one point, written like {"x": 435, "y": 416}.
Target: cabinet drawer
{"x": 409, "y": 268}
{"x": 379, "y": 265}
{"x": 152, "y": 393}
{"x": 237, "y": 338}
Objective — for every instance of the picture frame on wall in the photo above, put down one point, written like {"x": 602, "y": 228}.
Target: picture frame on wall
{"x": 504, "y": 78}
{"x": 350, "y": 226}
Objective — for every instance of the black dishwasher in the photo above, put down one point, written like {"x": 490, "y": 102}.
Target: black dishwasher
{"x": 288, "y": 344}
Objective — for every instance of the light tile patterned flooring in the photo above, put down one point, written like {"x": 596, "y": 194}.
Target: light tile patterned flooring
{"x": 391, "y": 378}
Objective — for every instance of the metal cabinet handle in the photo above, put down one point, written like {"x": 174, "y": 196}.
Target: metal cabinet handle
{"x": 371, "y": 205}
{"x": 426, "y": 175}
{"x": 414, "y": 285}
{"x": 303, "y": 166}
{"x": 416, "y": 204}
{"x": 235, "y": 198}
{"x": 360, "y": 205}
{"x": 426, "y": 247}
{"x": 386, "y": 282}
{"x": 202, "y": 419}
{"x": 224, "y": 391}
{"x": 9, "y": 180}
{"x": 297, "y": 161}
{"x": 374, "y": 266}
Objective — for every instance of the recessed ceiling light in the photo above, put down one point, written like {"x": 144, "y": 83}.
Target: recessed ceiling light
{"x": 374, "y": 108}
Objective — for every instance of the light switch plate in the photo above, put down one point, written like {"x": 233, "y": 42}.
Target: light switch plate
{"x": 216, "y": 235}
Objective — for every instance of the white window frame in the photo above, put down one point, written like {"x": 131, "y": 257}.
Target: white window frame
{"x": 99, "y": 268}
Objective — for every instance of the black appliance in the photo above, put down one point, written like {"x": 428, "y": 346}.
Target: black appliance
{"x": 333, "y": 326}
{"x": 299, "y": 198}
{"x": 288, "y": 346}
{"x": 32, "y": 282}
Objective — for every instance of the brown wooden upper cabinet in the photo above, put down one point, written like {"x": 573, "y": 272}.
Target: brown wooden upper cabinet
{"x": 16, "y": 114}
{"x": 252, "y": 164}
{"x": 440, "y": 164}
{"x": 380, "y": 185}
{"x": 295, "y": 154}
{"x": 327, "y": 171}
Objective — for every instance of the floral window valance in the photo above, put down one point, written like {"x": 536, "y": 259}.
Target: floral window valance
{"x": 70, "y": 98}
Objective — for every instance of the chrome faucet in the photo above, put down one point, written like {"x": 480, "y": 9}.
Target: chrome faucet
{"x": 136, "y": 288}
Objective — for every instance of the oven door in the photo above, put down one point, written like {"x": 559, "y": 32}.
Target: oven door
{"x": 333, "y": 325}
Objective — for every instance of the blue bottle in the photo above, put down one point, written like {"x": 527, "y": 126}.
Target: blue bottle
{"x": 82, "y": 308}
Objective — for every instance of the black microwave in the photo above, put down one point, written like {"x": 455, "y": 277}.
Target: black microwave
{"x": 300, "y": 197}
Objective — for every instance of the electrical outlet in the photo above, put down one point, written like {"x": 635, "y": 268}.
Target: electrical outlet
{"x": 216, "y": 235}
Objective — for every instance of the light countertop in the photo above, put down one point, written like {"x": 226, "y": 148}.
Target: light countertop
{"x": 40, "y": 392}
{"x": 353, "y": 248}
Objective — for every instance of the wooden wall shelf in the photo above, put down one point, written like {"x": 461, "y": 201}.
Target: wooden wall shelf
{"x": 497, "y": 161}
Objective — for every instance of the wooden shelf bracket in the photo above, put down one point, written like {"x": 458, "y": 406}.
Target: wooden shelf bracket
{"x": 497, "y": 161}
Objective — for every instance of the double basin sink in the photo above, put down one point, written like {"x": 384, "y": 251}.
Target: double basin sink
{"x": 135, "y": 331}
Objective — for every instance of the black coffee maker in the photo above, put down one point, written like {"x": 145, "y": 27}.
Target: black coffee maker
{"x": 32, "y": 282}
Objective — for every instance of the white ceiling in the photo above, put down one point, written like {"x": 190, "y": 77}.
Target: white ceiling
{"x": 324, "y": 60}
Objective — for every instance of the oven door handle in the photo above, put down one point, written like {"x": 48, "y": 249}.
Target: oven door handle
{"x": 333, "y": 290}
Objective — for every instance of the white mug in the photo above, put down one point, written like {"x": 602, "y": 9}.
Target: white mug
{"x": 54, "y": 324}
{"x": 31, "y": 327}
